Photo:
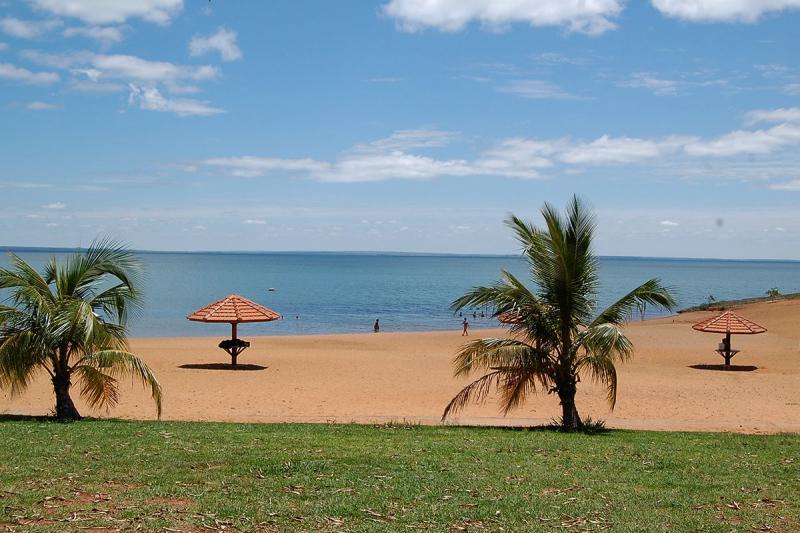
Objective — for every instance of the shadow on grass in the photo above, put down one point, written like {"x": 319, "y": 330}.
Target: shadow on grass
{"x": 26, "y": 418}
{"x": 590, "y": 427}
{"x": 723, "y": 368}
{"x": 222, "y": 366}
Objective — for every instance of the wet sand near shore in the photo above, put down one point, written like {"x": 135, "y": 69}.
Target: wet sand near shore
{"x": 407, "y": 377}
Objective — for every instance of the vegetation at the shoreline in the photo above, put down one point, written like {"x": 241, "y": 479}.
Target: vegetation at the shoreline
{"x": 723, "y": 305}
{"x": 557, "y": 335}
{"x": 70, "y": 321}
{"x": 178, "y": 476}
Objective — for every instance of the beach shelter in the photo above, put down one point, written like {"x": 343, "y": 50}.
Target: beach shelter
{"x": 510, "y": 317}
{"x": 235, "y": 310}
{"x": 728, "y": 323}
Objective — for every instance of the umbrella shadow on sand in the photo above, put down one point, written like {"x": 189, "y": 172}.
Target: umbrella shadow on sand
{"x": 222, "y": 366}
{"x": 729, "y": 368}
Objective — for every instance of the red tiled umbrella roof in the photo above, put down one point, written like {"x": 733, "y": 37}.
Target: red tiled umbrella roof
{"x": 234, "y": 309}
{"x": 729, "y": 322}
{"x": 510, "y": 317}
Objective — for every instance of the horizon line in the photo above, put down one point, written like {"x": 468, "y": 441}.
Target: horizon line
{"x": 7, "y": 248}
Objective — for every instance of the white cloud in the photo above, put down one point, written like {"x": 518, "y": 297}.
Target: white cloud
{"x": 722, "y": 10}
{"x": 772, "y": 70}
{"x": 671, "y": 87}
{"x": 112, "y": 11}
{"x": 669, "y": 223}
{"x": 619, "y": 150}
{"x": 537, "y": 90}
{"x": 150, "y": 99}
{"x": 103, "y": 72}
{"x": 255, "y": 221}
{"x": 252, "y": 166}
{"x": 224, "y": 42}
{"x": 410, "y": 139}
{"x": 55, "y": 205}
{"x": 120, "y": 66}
{"x": 519, "y": 157}
{"x": 792, "y": 88}
{"x": 556, "y": 58}
{"x": 23, "y": 185}
{"x": 178, "y": 88}
{"x": 644, "y": 80}
{"x": 27, "y": 29}
{"x": 593, "y": 17}
{"x": 747, "y": 142}
{"x": 525, "y": 158}
{"x": 784, "y": 114}
{"x": 793, "y": 185}
{"x": 132, "y": 67}
{"x": 42, "y": 106}
{"x": 12, "y": 72}
{"x": 105, "y": 35}
{"x": 395, "y": 165}
{"x": 96, "y": 87}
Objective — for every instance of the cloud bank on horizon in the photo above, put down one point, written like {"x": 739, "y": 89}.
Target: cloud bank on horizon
{"x": 431, "y": 110}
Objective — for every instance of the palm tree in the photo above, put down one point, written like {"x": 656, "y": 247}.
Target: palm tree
{"x": 70, "y": 321}
{"x": 556, "y": 334}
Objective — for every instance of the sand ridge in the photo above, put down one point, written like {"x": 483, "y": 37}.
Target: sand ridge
{"x": 396, "y": 377}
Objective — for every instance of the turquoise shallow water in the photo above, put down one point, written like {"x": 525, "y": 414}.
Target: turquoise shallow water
{"x": 335, "y": 293}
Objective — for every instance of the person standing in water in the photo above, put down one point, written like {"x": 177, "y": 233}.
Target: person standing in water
{"x": 465, "y": 333}
{"x": 377, "y": 327}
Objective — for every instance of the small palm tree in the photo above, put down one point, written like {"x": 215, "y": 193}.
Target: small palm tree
{"x": 556, "y": 334}
{"x": 773, "y": 293}
{"x": 70, "y": 321}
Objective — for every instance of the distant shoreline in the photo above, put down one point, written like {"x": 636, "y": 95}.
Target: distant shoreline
{"x": 725, "y": 304}
{"x": 715, "y": 306}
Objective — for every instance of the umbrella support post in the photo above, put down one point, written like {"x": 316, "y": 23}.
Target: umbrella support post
{"x": 234, "y": 346}
{"x": 727, "y": 355}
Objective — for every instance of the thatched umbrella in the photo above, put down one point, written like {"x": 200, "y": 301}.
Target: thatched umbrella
{"x": 729, "y": 323}
{"x": 511, "y": 317}
{"x": 235, "y": 310}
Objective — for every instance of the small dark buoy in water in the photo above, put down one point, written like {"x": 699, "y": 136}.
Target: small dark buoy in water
{"x": 271, "y": 289}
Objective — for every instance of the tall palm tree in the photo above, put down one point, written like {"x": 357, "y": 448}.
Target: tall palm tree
{"x": 70, "y": 321}
{"x": 556, "y": 334}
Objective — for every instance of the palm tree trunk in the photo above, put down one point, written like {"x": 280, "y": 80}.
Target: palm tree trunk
{"x": 65, "y": 408}
{"x": 570, "y": 420}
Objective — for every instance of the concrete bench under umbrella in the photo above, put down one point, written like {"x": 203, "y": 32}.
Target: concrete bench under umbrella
{"x": 729, "y": 323}
{"x": 235, "y": 310}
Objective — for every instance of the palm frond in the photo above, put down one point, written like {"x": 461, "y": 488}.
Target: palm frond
{"x": 28, "y": 287}
{"x": 482, "y": 354}
{"x": 651, "y": 292}
{"x": 606, "y": 339}
{"x": 517, "y": 384}
{"x": 21, "y": 355}
{"x": 477, "y": 391}
{"x": 601, "y": 367}
{"x": 98, "y": 389}
{"x": 84, "y": 274}
{"x": 118, "y": 363}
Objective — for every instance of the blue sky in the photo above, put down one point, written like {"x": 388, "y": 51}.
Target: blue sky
{"x": 400, "y": 125}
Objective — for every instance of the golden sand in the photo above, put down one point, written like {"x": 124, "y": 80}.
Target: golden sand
{"x": 398, "y": 377}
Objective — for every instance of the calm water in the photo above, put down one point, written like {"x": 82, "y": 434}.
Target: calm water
{"x": 331, "y": 293}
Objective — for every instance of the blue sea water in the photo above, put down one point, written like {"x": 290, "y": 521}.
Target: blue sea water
{"x": 336, "y": 293}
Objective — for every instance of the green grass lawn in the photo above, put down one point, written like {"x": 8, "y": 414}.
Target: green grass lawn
{"x": 167, "y": 476}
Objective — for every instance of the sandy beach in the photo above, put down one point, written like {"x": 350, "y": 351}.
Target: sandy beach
{"x": 395, "y": 377}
